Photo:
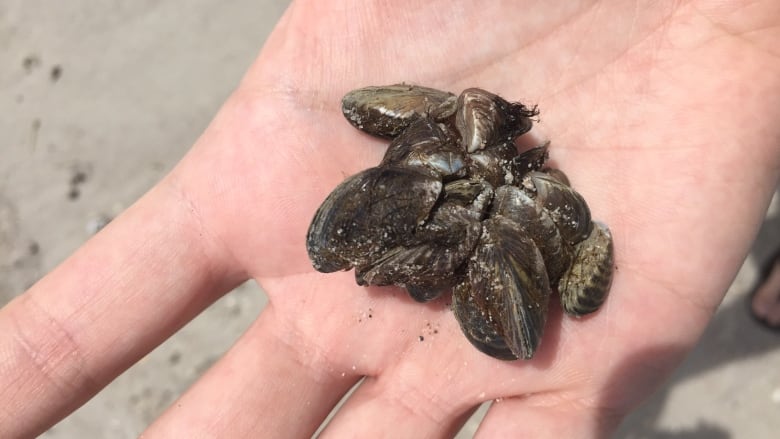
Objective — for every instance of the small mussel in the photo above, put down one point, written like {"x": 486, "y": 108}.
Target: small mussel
{"x": 453, "y": 206}
{"x": 387, "y": 111}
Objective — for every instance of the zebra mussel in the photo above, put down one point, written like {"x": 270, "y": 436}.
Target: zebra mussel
{"x": 454, "y": 206}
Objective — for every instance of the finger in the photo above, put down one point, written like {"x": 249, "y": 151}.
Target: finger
{"x": 430, "y": 390}
{"x": 121, "y": 294}
{"x": 543, "y": 417}
{"x": 277, "y": 381}
{"x": 318, "y": 337}
{"x": 380, "y": 407}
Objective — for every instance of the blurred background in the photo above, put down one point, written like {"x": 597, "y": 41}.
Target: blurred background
{"x": 101, "y": 98}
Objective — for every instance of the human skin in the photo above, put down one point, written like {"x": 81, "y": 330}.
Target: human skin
{"x": 663, "y": 114}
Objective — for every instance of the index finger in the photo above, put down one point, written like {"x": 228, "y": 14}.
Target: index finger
{"x": 125, "y": 291}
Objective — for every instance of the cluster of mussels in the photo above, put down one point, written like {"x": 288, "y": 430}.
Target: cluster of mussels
{"x": 453, "y": 206}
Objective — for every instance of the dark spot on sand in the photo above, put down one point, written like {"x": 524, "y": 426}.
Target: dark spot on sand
{"x": 30, "y": 62}
{"x": 174, "y": 358}
{"x": 78, "y": 177}
{"x": 55, "y": 73}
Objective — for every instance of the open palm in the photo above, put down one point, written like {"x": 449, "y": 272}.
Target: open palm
{"x": 663, "y": 116}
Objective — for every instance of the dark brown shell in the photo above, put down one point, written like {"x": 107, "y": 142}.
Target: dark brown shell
{"x": 430, "y": 265}
{"x": 493, "y": 164}
{"x": 512, "y": 203}
{"x": 506, "y": 292}
{"x": 558, "y": 175}
{"x": 473, "y": 194}
{"x": 386, "y": 111}
{"x": 482, "y": 330}
{"x": 484, "y": 119}
{"x": 566, "y": 206}
{"x": 478, "y": 119}
{"x": 369, "y": 213}
{"x": 529, "y": 161}
{"x": 427, "y": 145}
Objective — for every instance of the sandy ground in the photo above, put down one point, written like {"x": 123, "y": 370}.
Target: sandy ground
{"x": 101, "y": 99}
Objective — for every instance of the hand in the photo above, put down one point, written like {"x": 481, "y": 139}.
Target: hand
{"x": 663, "y": 116}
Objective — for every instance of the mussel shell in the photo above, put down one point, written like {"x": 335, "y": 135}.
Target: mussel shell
{"x": 386, "y": 111}
{"x": 484, "y": 119}
{"x": 427, "y": 145}
{"x": 493, "y": 164}
{"x": 513, "y": 203}
{"x": 431, "y": 265}
{"x": 506, "y": 291}
{"x": 558, "y": 175}
{"x": 369, "y": 213}
{"x": 478, "y": 119}
{"x": 481, "y": 330}
{"x": 584, "y": 287}
{"x": 565, "y": 205}
{"x": 531, "y": 160}
{"x": 473, "y": 194}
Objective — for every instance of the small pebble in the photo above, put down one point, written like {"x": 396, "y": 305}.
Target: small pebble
{"x": 94, "y": 225}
